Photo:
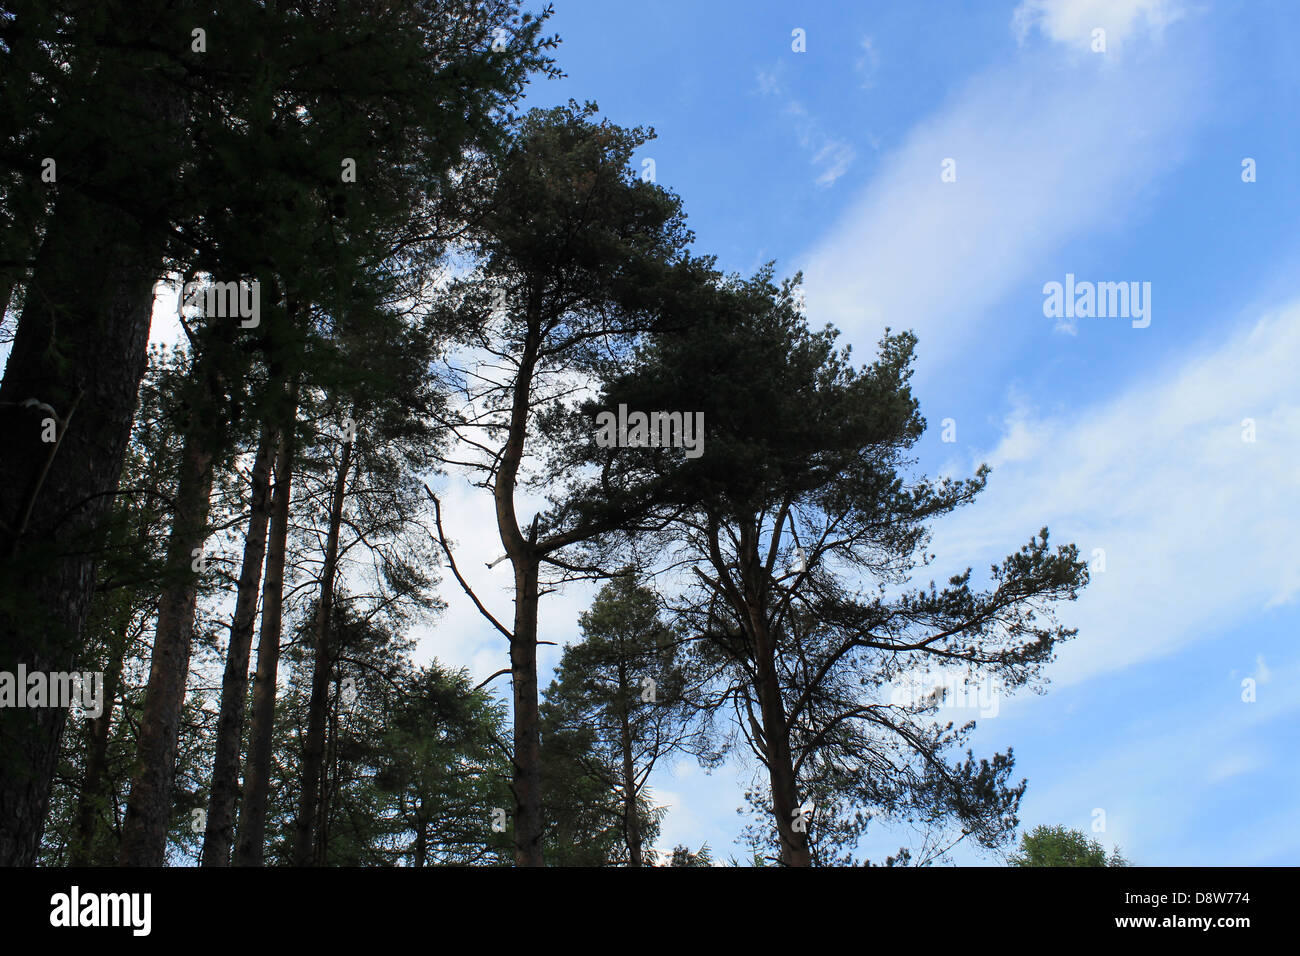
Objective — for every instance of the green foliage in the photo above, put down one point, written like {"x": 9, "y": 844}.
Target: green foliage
{"x": 619, "y": 704}
{"x": 414, "y": 766}
{"x": 1061, "y": 846}
{"x": 95, "y": 757}
{"x": 682, "y": 856}
{"x": 803, "y": 524}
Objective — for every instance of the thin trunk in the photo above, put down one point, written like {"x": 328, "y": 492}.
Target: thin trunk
{"x": 94, "y": 789}
{"x": 80, "y": 349}
{"x": 250, "y": 849}
{"x": 421, "y": 838}
{"x": 149, "y": 808}
{"x": 631, "y": 820}
{"x": 317, "y": 711}
{"x": 329, "y": 789}
{"x": 219, "y": 835}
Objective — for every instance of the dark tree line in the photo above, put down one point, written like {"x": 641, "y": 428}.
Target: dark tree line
{"x": 386, "y": 277}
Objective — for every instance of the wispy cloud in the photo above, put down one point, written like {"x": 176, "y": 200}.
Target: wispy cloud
{"x": 1163, "y": 480}
{"x": 1161, "y": 778}
{"x": 867, "y": 63}
{"x": 1043, "y": 152}
{"x": 830, "y": 156}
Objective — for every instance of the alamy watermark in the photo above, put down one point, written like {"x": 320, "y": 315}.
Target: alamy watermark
{"x": 76, "y": 908}
{"x": 951, "y": 690}
{"x": 225, "y": 300}
{"x": 653, "y": 430}
{"x": 61, "y": 689}
{"x": 1085, "y": 300}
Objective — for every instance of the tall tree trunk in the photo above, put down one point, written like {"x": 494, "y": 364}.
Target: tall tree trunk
{"x": 785, "y": 788}
{"x": 318, "y": 708}
{"x": 631, "y": 820}
{"x": 149, "y": 808}
{"x": 528, "y": 750}
{"x": 80, "y": 349}
{"x": 219, "y": 836}
{"x": 251, "y": 836}
{"x": 527, "y": 782}
{"x": 329, "y": 789}
{"x": 752, "y": 612}
{"x": 328, "y": 792}
{"x": 94, "y": 789}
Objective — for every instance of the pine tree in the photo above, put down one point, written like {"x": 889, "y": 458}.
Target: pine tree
{"x": 620, "y": 705}
{"x": 1061, "y": 846}
{"x": 802, "y": 525}
{"x": 575, "y": 258}
{"x": 276, "y": 216}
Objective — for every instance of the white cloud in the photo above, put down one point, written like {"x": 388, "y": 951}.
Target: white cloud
{"x": 1071, "y": 22}
{"x": 1198, "y": 526}
{"x": 701, "y": 807}
{"x": 1044, "y": 152}
{"x": 461, "y": 636}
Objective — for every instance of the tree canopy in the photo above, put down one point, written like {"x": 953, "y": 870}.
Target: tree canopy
{"x": 392, "y": 278}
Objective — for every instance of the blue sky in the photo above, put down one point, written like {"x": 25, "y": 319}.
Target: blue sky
{"x": 1122, "y": 165}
